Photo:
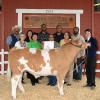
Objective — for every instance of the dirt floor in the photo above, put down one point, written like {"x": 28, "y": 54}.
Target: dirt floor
{"x": 44, "y": 92}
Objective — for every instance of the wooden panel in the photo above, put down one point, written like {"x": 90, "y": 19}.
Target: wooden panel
{"x": 34, "y": 21}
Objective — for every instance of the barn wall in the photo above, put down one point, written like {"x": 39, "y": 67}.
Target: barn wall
{"x": 0, "y": 28}
{"x": 8, "y": 18}
{"x": 11, "y": 16}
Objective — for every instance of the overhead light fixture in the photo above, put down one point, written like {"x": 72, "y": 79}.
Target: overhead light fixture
{"x": 98, "y": 4}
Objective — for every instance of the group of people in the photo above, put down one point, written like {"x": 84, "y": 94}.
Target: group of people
{"x": 36, "y": 40}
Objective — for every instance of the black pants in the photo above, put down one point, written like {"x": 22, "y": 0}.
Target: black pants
{"x": 90, "y": 70}
{"x": 31, "y": 77}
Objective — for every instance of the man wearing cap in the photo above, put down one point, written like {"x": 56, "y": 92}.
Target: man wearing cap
{"x": 11, "y": 40}
{"x": 13, "y": 37}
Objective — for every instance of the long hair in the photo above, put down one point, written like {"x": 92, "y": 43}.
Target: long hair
{"x": 27, "y": 38}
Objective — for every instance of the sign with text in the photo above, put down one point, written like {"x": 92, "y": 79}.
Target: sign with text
{"x": 35, "y": 21}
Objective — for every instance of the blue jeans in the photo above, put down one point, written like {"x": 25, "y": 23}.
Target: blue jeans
{"x": 52, "y": 80}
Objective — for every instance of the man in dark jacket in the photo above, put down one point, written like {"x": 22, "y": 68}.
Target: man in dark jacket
{"x": 91, "y": 59}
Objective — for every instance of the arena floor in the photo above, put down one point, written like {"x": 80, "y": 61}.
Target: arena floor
{"x": 44, "y": 92}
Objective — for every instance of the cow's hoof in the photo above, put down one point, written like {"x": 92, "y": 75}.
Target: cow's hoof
{"x": 13, "y": 98}
{"x": 61, "y": 94}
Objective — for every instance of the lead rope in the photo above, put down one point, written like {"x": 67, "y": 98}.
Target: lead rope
{"x": 76, "y": 68}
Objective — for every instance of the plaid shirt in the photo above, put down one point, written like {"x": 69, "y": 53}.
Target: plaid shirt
{"x": 43, "y": 36}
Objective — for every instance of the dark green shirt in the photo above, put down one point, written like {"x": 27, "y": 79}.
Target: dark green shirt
{"x": 43, "y": 36}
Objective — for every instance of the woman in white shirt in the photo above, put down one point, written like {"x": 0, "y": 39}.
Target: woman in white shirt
{"x": 21, "y": 43}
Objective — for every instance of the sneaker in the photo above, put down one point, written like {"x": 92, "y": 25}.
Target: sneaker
{"x": 92, "y": 87}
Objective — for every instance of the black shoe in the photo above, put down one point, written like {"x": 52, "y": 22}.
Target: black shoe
{"x": 23, "y": 82}
{"x": 48, "y": 84}
{"x": 36, "y": 81}
{"x": 87, "y": 85}
{"x": 33, "y": 84}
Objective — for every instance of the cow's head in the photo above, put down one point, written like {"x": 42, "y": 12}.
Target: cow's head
{"x": 84, "y": 45}
{"x": 79, "y": 44}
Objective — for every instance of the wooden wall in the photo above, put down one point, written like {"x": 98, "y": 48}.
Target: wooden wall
{"x": 8, "y": 17}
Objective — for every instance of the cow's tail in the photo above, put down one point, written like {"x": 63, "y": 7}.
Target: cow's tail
{"x": 9, "y": 70}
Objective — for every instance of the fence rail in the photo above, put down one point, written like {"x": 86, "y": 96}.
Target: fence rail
{"x": 3, "y": 62}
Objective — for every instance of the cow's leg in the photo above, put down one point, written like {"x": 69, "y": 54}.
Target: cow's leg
{"x": 14, "y": 82}
{"x": 60, "y": 83}
{"x": 20, "y": 86}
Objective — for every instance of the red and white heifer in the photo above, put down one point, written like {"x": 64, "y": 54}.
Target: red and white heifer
{"x": 42, "y": 63}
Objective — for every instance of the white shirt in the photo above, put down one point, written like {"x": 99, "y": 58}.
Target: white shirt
{"x": 88, "y": 38}
{"x": 19, "y": 46}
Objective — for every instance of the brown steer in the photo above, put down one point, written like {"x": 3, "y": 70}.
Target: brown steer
{"x": 42, "y": 63}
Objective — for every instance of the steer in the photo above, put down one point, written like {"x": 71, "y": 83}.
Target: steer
{"x": 42, "y": 63}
